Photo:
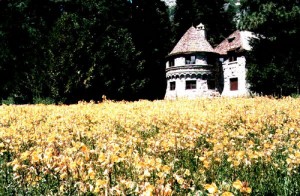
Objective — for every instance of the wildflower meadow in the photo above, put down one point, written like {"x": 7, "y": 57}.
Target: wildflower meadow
{"x": 219, "y": 146}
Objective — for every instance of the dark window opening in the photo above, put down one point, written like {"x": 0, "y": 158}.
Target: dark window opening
{"x": 190, "y": 59}
{"x": 211, "y": 60}
{"x": 172, "y": 86}
{"x": 190, "y": 84}
{"x": 211, "y": 84}
{"x": 234, "y": 85}
{"x": 232, "y": 56}
{"x": 172, "y": 63}
{"x": 231, "y": 39}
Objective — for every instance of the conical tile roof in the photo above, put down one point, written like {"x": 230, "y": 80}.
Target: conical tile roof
{"x": 192, "y": 41}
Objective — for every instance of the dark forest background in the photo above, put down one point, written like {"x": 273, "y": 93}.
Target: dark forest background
{"x": 63, "y": 51}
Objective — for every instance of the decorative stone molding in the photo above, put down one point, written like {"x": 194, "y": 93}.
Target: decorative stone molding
{"x": 185, "y": 75}
{"x": 195, "y": 67}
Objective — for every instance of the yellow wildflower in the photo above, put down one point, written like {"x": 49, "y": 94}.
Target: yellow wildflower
{"x": 211, "y": 188}
{"x": 227, "y": 194}
{"x": 237, "y": 184}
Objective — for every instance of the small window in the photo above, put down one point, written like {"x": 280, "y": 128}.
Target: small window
{"x": 234, "y": 85}
{"x": 231, "y": 39}
{"x": 171, "y": 63}
{"x": 193, "y": 59}
{"x": 232, "y": 57}
{"x": 211, "y": 84}
{"x": 172, "y": 86}
{"x": 190, "y": 60}
{"x": 190, "y": 84}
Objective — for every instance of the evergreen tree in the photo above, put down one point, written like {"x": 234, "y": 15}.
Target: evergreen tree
{"x": 92, "y": 53}
{"x": 68, "y": 50}
{"x": 217, "y": 16}
{"x": 73, "y": 50}
{"x": 151, "y": 30}
{"x": 274, "y": 64}
{"x": 183, "y": 18}
{"x": 23, "y": 30}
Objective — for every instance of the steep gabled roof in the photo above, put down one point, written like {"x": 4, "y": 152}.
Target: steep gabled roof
{"x": 238, "y": 40}
{"x": 192, "y": 41}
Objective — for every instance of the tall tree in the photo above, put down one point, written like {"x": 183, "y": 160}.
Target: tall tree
{"x": 92, "y": 53}
{"x": 68, "y": 50}
{"x": 73, "y": 50}
{"x": 23, "y": 29}
{"x": 217, "y": 16}
{"x": 151, "y": 30}
{"x": 274, "y": 64}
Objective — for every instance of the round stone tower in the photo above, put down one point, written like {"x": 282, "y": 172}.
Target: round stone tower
{"x": 190, "y": 66}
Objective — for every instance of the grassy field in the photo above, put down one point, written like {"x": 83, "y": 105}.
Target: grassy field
{"x": 187, "y": 147}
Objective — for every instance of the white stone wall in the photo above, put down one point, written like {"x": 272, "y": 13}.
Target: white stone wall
{"x": 181, "y": 91}
{"x": 246, "y": 36}
{"x": 235, "y": 69}
{"x": 201, "y": 60}
{"x": 188, "y": 71}
{"x": 179, "y": 61}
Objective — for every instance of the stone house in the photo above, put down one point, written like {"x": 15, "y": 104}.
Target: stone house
{"x": 195, "y": 69}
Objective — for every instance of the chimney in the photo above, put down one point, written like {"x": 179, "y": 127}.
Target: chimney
{"x": 201, "y": 29}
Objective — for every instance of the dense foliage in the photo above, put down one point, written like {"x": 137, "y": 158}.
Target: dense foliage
{"x": 65, "y": 51}
{"x": 217, "y": 16}
{"x": 151, "y": 30}
{"x": 209, "y": 146}
{"x": 72, "y": 50}
{"x": 274, "y": 63}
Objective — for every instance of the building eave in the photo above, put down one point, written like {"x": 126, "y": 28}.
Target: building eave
{"x": 189, "y": 53}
